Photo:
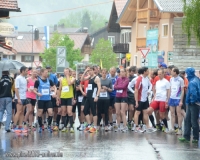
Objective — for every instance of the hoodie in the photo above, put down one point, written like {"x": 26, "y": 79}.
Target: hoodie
{"x": 121, "y": 87}
{"x": 193, "y": 92}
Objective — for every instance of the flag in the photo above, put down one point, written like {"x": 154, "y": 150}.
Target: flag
{"x": 101, "y": 64}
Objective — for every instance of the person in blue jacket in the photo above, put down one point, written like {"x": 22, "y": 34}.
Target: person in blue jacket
{"x": 193, "y": 107}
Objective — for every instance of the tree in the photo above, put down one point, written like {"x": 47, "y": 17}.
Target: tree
{"x": 49, "y": 55}
{"x": 191, "y": 21}
{"x": 103, "y": 53}
{"x": 86, "y": 22}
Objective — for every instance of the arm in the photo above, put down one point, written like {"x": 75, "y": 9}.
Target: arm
{"x": 98, "y": 82}
{"x": 81, "y": 89}
{"x": 137, "y": 87}
{"x": 83, "y": 78}
{"x": 150, "y": 87}
{"x": 132, "y": 83}
{"x": 182, "y": 93}
{"x": 69, "y": 81}
{"x": 59, "y": 91}
{"x": 17, "y": 91}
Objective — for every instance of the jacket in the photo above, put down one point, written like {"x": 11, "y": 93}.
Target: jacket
{"x": 193, "y": 92}
{"x": 121, "y": 87}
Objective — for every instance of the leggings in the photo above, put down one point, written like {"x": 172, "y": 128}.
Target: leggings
{"x": 102, "y": 108}
{"x": 90, "y": 105}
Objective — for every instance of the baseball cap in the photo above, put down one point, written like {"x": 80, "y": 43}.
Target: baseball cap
{"x": 163, "y": 65}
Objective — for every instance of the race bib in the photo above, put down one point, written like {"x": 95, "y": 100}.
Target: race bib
{"x": 80, "y": 98}
{"x": 94, "y": 93}
{"x": 45, "y": 91}
{"x": 119, "y": 91}
{"x": 31, "y": 87}
{"x": 65, "y": 89}
{"x": 103, "y": 94}
{"x": 89, "y": 87}
{"x": 52, "y": 93}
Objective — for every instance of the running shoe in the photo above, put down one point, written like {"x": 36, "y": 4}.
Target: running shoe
{"x": 79, "y": 127}
{"x": 139, "y": 130}
{"x": 71, "y": 130}
{"x": 56, "y": 128}
{"x": 166, "y": 130}
{"x": 61, "y": 126}
{"x": 43, "y": 127}
{"x": 64, "y": 129}
{"x": 87, "y": 128}
{"x": 171, "y": 131}
{"x": 93, "y": 130}
{"x": 125, "y": 129}
{"x": 129, "y": 125}
{"x": 103, "y": 127}
{"x": 163, "y": 128}
{"x": 151, "y": 130}
{"x": 82, "y": 127}
{"x": 182, "y": 139}
{"x": 40, "y": 130}
{"x": 110, "y": 127}
{"x": 68, "y": 126}
{"x": 133, "y": 128}
{"x": 195, "y": 141}
{"x": 179, "y": 132}
{"x": 49, "y": 129}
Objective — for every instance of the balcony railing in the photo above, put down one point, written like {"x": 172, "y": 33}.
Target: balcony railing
{"x": 140, "y": 43}
{"x": 143, "y": 13}
{"x": 121, "y": 48}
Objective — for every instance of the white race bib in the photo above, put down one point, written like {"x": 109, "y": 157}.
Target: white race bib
{"x": 80, "y": 98}
{"x": 31, "y": 87}
{"x": 89, "y": 87}
{"x": 65, "y": 89}
{"x": 103, "y": 94}
{"x": 45, "y": 91}
{"x": 119, "y": 91}
{"x": 94, "y": 93}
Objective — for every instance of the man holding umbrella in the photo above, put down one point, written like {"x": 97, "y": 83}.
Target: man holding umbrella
{"x": 6, "y": 93}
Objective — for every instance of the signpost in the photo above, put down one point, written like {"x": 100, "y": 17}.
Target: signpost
{"x": 60, "y": 59}
{"x": 169, "y": 56}
{"x": 144, "y": 62}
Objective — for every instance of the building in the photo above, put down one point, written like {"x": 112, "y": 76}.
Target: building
{"x": 23, "y": 44}
{"x": 121, "y": 47}
{"x": 156, "y": 16}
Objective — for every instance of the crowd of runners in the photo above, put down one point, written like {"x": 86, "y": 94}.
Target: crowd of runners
{"x": 112, "y": 100}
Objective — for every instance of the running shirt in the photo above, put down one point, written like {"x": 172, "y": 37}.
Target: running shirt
{"x": 85, "y": 85}
{"x": 79, "y": 96}
{"x": 144, "y": 86}
{"x": 130, "y": 93}
{"x": 176, "y": 83}
{"x": 30, "y": 85}
{"x": 161, "y": 90}
{"x": 67, "y": 91}
{"x": 92, "y": 88}
{"x": 131, "y": 85}
{"x": 21, "y": 85}
{"x": 113, "y": 80}
{"x": 105, "y": 82}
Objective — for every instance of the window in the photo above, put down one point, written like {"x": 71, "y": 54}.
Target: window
{"x": 126, "y": 37}
{"x": 13, "y": 57}
{"x": 27, "y": 58}
{"x": 122, "y": 38}
{"x": 145, "y": 31}
{"x": 135, "y": 60}
{"x": 165, "y": 30}
{"x": 172, "y": 30}
{"x": 111, "y": 39}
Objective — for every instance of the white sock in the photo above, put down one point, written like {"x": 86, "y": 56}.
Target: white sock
{"x": 114, "y": 117}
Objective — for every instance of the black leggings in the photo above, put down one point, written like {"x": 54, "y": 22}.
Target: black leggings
{"x": 90, "y": 104}
{"x": 79, "y": 108}
{"x": 102, "y": 108}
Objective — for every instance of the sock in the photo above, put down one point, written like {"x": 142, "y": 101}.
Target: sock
{"x": 64, "y": 121}
{"x": 114, "y": 117}
{"x": 71, "y": 121}
{"x": 152, "y": 121}
{"x": 40, "y": 121}
{"x": 50, "y": 120}
{"x": 67, "y": 119}
{"x": 58, "y": 120}
{"x": 165, "y": 122}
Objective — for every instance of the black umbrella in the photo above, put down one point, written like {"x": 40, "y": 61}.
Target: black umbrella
{"x": 7, "y": 65}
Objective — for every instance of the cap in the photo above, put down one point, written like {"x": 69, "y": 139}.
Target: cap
{"x": 48, "y": 67}
{"x": 163, "y": 65}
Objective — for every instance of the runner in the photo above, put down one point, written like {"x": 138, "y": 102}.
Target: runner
{"x": 161, "y": 97}
{"x": 20, "y": 99}
{"x": 121, "y": 99}
{"x": 131, "y": 100}
{"x": 42, "y": 89}
{"x": 93, "y": 92}
{"x": 66, "y": 95}
{"x": 104, "y": 99}
{"x": 176, "y": 99}
{"x": 112, "y": 112}
{"x": 31, "y": 96}
{"x": 143, "y": 88}
{"x": 6, "y": 94}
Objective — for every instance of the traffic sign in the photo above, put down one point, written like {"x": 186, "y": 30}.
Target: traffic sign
{"x": 144, "y": 62}
{"x": 144, "y": 51}
{"x": 61, "y": 59}
{"x": 61, "y": 62}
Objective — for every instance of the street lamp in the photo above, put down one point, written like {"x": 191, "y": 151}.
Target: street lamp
{"x": 32, "y": 46}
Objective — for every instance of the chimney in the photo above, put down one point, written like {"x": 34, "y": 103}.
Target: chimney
{"x": 36, "y": 34}
{"x": 55, "y": 27}
{"x": 85, "y": 30}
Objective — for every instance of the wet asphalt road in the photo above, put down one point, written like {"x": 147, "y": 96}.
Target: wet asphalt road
{"x": 100, "y": 146}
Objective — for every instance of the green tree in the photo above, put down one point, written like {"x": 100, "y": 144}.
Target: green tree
{"x": 86, "y": 22}
{"x": 103, "y": 52}
{"x": 191, "y": 20}
{"x": 49, "y": 55}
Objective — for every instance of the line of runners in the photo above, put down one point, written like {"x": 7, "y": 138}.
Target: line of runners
{"x": 117, "y": 98}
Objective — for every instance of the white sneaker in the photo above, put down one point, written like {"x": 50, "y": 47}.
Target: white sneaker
{"x": 121, "y": 126}
{"x": 61, "y": 126}
{"x": 151, "y": 130}
{"x": 166, "y": 130}
{"x": 179, "y": 132}
{"x": 82, "y": 128}
{"x": 171, "y": 131}
{"x": 133, "y": 128}
{"x": 103, "y": 127}
{"x": 110, "y": 128}
{"x": 68, "y": 126}
{"x": 144, "y": 128}
{"x": 125, "y": 129}
{"x": 117, "y": 129}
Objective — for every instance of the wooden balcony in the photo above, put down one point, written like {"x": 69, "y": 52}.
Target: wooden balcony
{"x": 87, "y": 49}
{"x": 121, "y": 48}
{"x": 140, "y": 43}
{"x": 153, "y": 13}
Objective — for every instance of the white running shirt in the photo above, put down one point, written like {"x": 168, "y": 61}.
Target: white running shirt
{"x": 176, "y": 85}
{"x": 161, "y": 90}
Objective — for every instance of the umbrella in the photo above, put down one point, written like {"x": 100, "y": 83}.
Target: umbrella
{"x": 7, "y": 65}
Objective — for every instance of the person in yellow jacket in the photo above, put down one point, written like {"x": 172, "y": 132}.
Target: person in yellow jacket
{"x": 65, "y": 96}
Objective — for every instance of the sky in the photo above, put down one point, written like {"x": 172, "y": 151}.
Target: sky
{"x": 40, "y": 6}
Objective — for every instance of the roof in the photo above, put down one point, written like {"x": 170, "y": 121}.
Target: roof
{"x": 25, "y": 45}
{"x": 99, "y": 31}
{"x": 11, "y": 5}
{"x": 120, "y": 6}
{"x": 60, "y": 30}
{"x": 170, "y": 5}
